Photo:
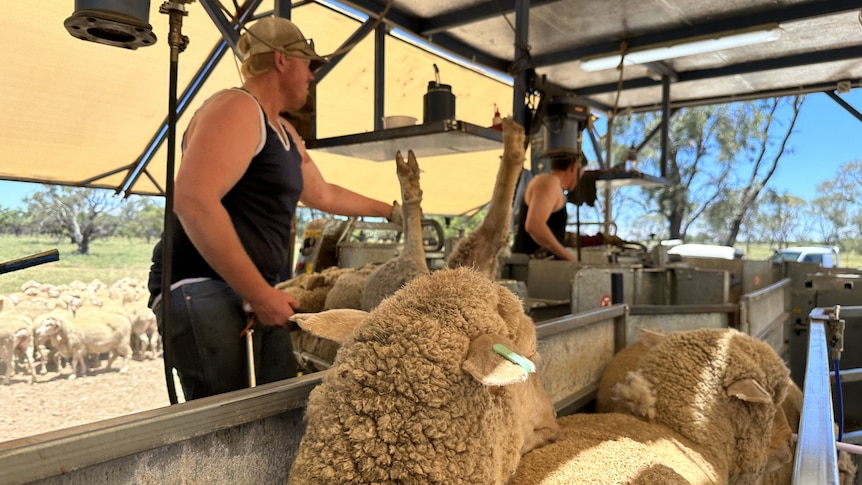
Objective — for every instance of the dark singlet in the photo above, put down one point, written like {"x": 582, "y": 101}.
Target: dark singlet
{"x": 524, "y": 243}
{"x": 261, "y": 206}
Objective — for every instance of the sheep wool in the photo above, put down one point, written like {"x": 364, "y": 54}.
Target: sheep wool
{"x": 710, "y": 397}
{"x": 417, "y": 396}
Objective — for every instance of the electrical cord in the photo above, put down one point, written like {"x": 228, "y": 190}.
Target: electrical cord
{"x": 839, "y": 399}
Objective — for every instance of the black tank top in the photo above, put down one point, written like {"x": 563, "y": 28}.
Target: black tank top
{"x": 524, "y": 243}
{"x": 261, "y": 206}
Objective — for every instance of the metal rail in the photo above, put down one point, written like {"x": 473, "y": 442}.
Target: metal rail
{"x": 816, "y": 455}
{"x": 255, "y": 432}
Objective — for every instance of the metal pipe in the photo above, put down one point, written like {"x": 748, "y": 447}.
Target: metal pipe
{"x": 379, "y": 75}
{"x": 665, "y": 125}
{"x": 522, "y": 35}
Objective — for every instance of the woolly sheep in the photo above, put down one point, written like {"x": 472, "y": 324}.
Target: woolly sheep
{"x": 416, "y": 394}
{"x": 15, "y": 338}
{"x": 90, "y": 331}
{"x": 347, "y": 290}
{"x": 719, "y": 389}
{"x": 616, "y": 449}
{"x": 627, "y": 360}
{"x": 387, "y": 278}
{"x": 312, "y": 289}
{"x": 481, "y": 248}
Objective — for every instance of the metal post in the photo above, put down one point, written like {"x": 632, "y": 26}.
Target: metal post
{"x": 379, "y": 75}
{"x": 665, "y": 124}
{"x": 522, "y": 36}
{"x": 176, "y": 11}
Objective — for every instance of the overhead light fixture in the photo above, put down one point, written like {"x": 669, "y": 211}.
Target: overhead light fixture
{"x": 684, "y": 47}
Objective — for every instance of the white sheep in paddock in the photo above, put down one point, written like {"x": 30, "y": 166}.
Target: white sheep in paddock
{"x": 16, "y": 340}
{"x": 387, "y": 278}
{"x": 89, "y": 331}
{"x": 418, "y": 395}
{"x": 144, "y": 339}
{"x": 707, "y": 398}
{"x": 482, "y": 248}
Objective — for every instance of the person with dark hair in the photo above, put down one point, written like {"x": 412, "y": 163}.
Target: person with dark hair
{"x": 542, "y": 218}
{"x": 244, "y": 169}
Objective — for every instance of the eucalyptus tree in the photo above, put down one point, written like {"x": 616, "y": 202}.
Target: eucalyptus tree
{"x": 81, "y": 214}
{"x": 718, "y": 155}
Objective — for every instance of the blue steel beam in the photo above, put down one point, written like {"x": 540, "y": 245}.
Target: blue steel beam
{"x": 844, "y": 104}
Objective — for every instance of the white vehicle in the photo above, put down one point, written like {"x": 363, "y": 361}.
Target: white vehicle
{"x": 826, "y": 256}
{"x": 692, "y": 250}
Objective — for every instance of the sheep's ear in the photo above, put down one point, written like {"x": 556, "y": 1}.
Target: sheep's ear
{"x": 337, "y": 325}
{"x": 635, "y": 395}
{"x": 495, "y": 367}
{"x": 749, "y": 390}
{"x": 315, "y": 281}
{"x": 651, "y": 337}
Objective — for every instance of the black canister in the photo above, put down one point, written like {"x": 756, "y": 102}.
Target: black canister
{"x": 439, "y": 102}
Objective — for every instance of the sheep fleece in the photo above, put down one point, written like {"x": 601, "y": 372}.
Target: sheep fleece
{"x": 397, "y": 407}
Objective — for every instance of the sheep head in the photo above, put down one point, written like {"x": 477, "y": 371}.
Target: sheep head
{"x": 417, "y": 393}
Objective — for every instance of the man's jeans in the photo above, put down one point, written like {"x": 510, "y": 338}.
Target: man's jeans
{"x": 205, "y": 344}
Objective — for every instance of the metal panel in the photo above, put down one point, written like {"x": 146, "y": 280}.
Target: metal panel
{"x": 673, "y": 318}
{"x": 550, "y": 279}
{"x": 699, "y": 286}
{"x": 186, "y": 436}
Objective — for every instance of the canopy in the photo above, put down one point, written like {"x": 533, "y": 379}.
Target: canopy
{"x": 82, "y": 113}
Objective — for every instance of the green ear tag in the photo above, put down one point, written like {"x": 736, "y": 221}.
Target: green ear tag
{"x": 514, "y": 358}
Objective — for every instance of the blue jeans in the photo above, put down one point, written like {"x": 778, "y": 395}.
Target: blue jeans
{"x": 205, "y": 346}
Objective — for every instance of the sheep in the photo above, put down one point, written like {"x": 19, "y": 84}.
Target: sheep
{"x": 714, "y": 394}
{"x": 333, "y": 287}
{"x": 416, "y": 393}
{"x": 627, "y": 360}
{"x": 90, "y": 331}
{"x": 144, "y": 340}
{"x": 55, "y": 329}
{"x": 481, "y": 248}
{"x": 15, "y": 339}
{"x": 394, "y": 273}
{"x": 347, "y": 291}
{"x": 313, "y": 289}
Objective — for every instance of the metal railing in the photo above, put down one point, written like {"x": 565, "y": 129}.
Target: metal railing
{"x": 816, "y": 454}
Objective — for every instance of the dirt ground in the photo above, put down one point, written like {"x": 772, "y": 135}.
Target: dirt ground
{"x": 56, "y": 402}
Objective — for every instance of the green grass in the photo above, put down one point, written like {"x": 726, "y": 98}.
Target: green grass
{"x": 109, "y": 260}
{"x": 115, "y": 258}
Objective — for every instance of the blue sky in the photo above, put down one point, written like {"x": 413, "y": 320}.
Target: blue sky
{"x": 826, "y": 136}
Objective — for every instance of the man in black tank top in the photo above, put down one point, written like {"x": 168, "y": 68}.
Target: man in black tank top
{"x": 243, "y": 171}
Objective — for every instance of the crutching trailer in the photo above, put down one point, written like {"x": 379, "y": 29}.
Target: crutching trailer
{"x": 584, "y": 312}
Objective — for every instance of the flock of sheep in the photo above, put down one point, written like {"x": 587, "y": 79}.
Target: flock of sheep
{"x": 70, "y": 328}
{"x": 432, "y": 379}
{"x": 432, "y": 376}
